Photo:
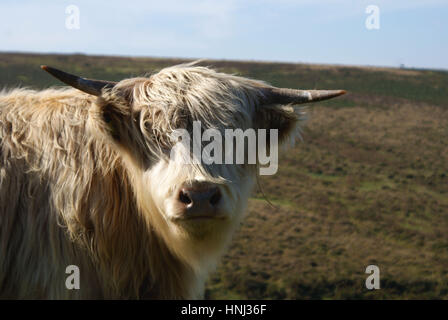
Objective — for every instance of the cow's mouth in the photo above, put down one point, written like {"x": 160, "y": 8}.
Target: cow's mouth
{"x": 203, "y": 217}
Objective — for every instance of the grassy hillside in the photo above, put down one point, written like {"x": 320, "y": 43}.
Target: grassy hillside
{"x": 368, "y": 185}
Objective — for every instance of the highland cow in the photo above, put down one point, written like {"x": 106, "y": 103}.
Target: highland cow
{"x": 86, "y": 179}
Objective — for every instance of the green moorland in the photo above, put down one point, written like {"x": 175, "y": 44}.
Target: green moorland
{"x": 367, "y": 185}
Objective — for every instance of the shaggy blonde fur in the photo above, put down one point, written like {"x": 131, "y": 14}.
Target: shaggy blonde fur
{"x": 87, "y": 181}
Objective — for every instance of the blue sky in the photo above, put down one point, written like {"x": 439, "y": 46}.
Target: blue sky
{"x": 412, "y": 32}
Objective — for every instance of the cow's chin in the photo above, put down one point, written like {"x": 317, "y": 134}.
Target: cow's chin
{"x": 202, "y": 226}
{"x": 195, "y": 236}
{"x": 201, "y": 240}
{"x": 202, "y": 229}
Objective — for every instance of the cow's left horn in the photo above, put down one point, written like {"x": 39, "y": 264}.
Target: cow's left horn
{"x": 274, "y": 95}
{"x": 89, "y": 86}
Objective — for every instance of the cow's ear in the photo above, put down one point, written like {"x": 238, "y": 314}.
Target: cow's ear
{"x": 113, "y": 111}
{"x": 275, "y": 111}
{"x": 116, "y": 121}
{"x": 282, "y": 118}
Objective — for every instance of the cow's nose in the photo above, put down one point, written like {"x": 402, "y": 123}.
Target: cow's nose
{"x": 200, "y": 198}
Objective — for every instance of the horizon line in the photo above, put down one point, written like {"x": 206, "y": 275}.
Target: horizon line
{"x": 327, "y": 64}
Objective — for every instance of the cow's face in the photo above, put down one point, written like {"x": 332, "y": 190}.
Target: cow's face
{"x": 184, "y": 195}
{"x": 190, "y": 198}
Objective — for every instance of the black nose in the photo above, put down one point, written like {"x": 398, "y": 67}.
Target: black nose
{"x": 204, "y": 197}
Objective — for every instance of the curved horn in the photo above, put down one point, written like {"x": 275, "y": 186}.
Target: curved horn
{"x": 89, "y": 86}
{"x": 274, "y": 95}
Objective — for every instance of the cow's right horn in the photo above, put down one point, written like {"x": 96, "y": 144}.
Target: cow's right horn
{"x": 89, "y": 86}
{"x": 275, "y": 95}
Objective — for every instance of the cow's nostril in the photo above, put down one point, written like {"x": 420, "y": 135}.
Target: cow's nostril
{"x": 184, "y": 198}
{"x": 215, "y": 197}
